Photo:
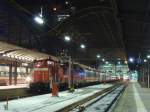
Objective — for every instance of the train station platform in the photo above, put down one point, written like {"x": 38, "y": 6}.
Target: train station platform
{"x": 48, "y": 103}
{"x": 14, "y": 86}
{"x": 134, "y": 99}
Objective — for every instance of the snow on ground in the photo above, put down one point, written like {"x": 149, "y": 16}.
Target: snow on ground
{"x": 48, "y": 103}
{"x": 14, "y": 86}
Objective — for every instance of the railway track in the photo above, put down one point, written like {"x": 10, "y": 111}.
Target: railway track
{"x": 101, "y": 101}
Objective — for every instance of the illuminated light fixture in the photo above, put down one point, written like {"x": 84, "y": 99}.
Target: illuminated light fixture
{"x": 82, "y": 46}
{"x": 23, "y": 58}
{"x": 8, "y": 55}
{"x": 12, "y": 56}
{"x": 38, "y": 65}
{"x": 54, "y": 9}
{"x": 62, "y": 17}
{"x": 24, "y": 64}
{"x": 131, "y": 60}
{"x": 16, "y": 57}
{"x": 106, "y": 62}
{"x": 30, "y": 59}
{"x": 145, "y": 60}
{"x": 1, "y": 52}
{"x": 49, "y": 62}
{"x": 98, "y": 56}
{"x": 39, "y": 19}
{"x": 66, "y": 2}
{"x": 4, "y": 55}
{"x": 125, "y": 62}
{"x": 28, "y": 79}
{"x": 148, "y": 56}
{"x": 67, "y": 38}
{"x": 119, "y": 62}
{"x": 103, "y": 59}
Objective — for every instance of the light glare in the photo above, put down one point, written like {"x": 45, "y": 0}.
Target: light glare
{"x": 67, "y": 38}
{"x": 131, "y": 60}
{"x": 98, "y": 56}
{"x": 28, "y": 79}
{"x": 82, "y": 46}
{"x": 145, "y": 60}
{"x": 106, "y": 62}
{"x": 39, "y": 20}
{"x": 103, "y": 59}
{"x": 148, "y": 56}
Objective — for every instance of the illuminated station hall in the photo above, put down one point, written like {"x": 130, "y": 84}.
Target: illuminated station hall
{"x": 74, "y": 56}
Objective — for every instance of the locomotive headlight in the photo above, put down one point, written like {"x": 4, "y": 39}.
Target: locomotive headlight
{"x": 28, "y": 79}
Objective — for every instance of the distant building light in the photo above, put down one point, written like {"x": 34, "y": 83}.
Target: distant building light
{"x": 39, "y": 19}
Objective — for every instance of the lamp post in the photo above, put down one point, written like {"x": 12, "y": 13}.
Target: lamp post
{"x": 69, "y": 72}
{"x": 148, "y": 78}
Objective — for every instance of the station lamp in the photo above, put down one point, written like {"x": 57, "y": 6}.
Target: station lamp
{"x": 125, "y": 62}
{"x": 54, "y": 9}
{"x": 119, "y": 62}
{"x": 82, "y": 46}
{"x": 66, "y": 2}
{"x": 106, "y": 62}
{"x": 67, "y": 38}
{"x": 145, "y": 60}
{"x": 39, "y": 19}
{"x": 98, "y": 56}
{"x": 4, "y": 55}
{"x": 131, "y": 60}
{"x": 103, "y": 59}
{"x": 28, "y": 79}
{"x": 148, "y": 56}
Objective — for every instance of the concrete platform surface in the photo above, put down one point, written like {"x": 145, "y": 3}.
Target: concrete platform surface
{"x": 134, "y": 99}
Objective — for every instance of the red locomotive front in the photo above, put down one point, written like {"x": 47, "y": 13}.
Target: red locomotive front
{"x": 40, "y": 71}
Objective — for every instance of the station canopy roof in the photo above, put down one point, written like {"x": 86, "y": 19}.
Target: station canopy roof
{"x": 13, "y": 52}
{"x": 10, "y": 51}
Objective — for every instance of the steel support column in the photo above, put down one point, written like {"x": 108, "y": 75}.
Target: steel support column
{"x": 10, "y": 74}
{"x": 15, "y": 74}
